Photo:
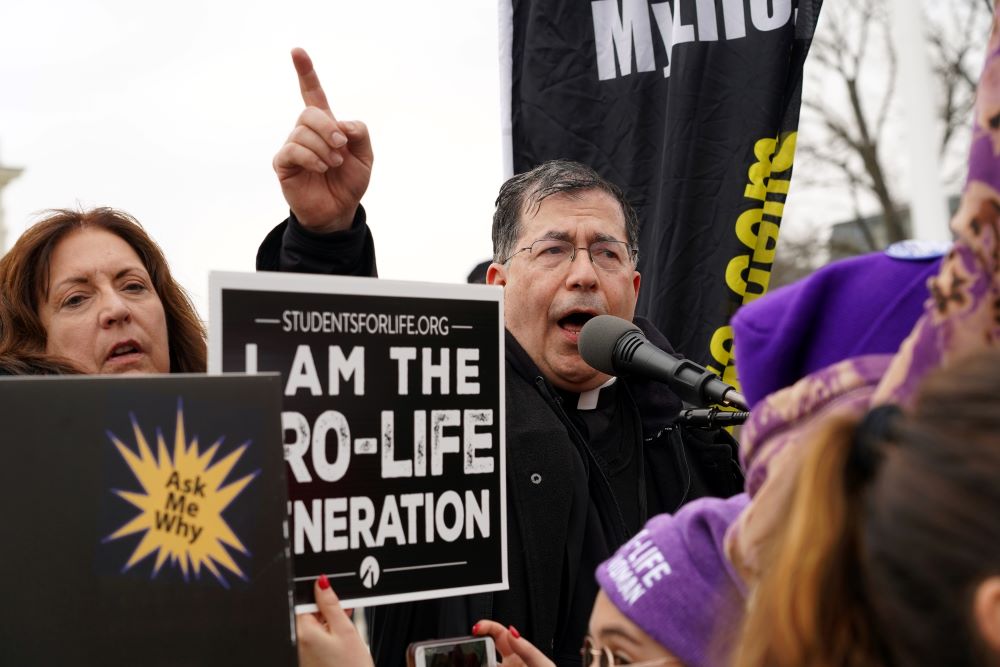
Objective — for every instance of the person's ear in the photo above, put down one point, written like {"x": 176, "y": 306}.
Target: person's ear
{"x": 986, "y": 611}
{"x": 496, "y": 274}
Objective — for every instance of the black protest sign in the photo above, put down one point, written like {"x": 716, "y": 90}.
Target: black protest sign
{"x": 393, "y": 426}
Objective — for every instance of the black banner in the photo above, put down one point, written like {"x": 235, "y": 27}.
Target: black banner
{"x": 690, "y": 106}
{"x": 392, "y": 423}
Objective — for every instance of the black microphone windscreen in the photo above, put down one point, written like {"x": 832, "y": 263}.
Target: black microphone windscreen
{"x": 598, "y": 338}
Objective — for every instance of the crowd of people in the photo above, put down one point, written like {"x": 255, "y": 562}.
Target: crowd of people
{"x": 855, "y": 524}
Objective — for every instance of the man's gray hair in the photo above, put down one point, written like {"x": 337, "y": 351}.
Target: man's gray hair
{"x": 525, "y": 192}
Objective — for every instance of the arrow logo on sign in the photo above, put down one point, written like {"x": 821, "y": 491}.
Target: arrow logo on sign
{"x": 370, "y": 572}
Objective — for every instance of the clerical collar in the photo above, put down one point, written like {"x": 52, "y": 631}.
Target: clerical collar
{"x": 588, "y": 399}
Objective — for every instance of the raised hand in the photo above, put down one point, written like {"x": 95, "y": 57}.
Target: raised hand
{"x": 325, "y": 165}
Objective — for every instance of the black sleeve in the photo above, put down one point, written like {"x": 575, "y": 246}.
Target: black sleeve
{"x": 292, "y": 248}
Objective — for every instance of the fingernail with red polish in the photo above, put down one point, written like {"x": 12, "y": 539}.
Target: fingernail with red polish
{"x": 475, "y": 629}
{"x": 324, "y": 583}
{"x": 513, "y": 631}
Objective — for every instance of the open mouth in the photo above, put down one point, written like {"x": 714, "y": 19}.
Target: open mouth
{"x": 574, "y": 322}
{"x": 124, "y": 349}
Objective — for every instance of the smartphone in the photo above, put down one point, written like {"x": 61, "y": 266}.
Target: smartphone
{"x": 453, "y": 652}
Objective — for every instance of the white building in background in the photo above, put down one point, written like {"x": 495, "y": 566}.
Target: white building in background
{"x": 7, "y": 174}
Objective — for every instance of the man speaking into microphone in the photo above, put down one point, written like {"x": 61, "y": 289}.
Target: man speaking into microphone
{"x": 590, "y": 457}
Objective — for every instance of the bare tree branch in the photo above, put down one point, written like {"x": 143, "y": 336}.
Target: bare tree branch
{"x": 890, "y": 88}
{"x": 849, "y": 142}
{"x": 866, "y": 232}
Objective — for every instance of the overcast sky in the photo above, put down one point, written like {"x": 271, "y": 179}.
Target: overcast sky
{"x": 173, "y": 111}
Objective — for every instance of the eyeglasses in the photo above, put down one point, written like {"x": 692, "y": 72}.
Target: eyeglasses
{"x": 603, "y": 657}
{"x": 550, "y": 253}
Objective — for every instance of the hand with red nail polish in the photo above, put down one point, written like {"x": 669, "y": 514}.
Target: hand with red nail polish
{"x": 328, "y": 638}
{"x": 514, "y": 649}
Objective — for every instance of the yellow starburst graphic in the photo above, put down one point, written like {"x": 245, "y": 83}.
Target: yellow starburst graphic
{"x": 182, "y": 503}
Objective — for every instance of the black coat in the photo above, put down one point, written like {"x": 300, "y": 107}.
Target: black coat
{"x": 555, "y": 485}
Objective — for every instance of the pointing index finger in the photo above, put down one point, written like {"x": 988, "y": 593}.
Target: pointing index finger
{"x": 309, "y": 85}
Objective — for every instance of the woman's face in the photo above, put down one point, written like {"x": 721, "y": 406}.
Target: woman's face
{"x": 101, "y": 311}
{"x": 628, "y": 643}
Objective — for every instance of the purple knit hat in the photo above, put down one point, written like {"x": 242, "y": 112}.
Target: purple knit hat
{"x": 673, "y": 580}
{"x": 861, "y": 305}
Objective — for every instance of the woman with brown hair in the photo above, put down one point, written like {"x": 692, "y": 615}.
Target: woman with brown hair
{"x": 91, "y": 292}
{"x": 891, "y": 552}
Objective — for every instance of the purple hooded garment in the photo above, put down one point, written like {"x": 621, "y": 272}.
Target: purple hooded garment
{"x": 861, "y": 305}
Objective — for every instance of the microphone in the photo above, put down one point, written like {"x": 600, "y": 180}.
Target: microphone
{"x": 618, "y": 347}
